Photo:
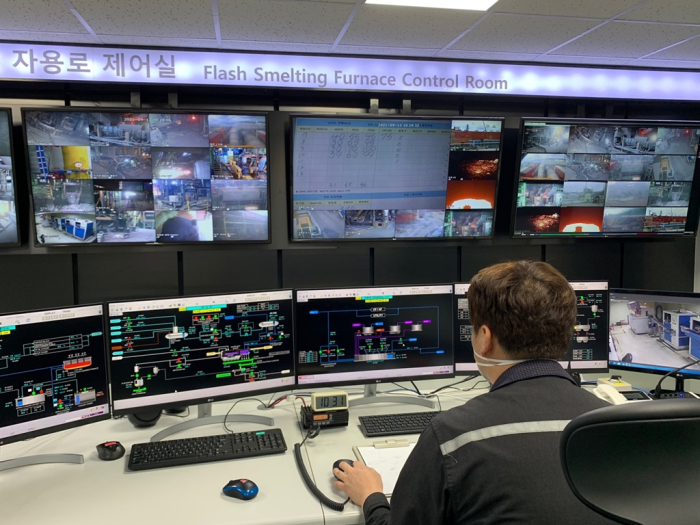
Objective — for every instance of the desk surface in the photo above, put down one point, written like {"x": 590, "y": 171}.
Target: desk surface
{"x": 105, "y": 492}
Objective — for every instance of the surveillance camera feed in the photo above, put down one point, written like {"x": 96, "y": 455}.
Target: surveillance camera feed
{"x": 394, "y": 178}
{"x": 144, "y": 177}
{"x": 655, "y": 332}
{"x": 581, "y": 178}
{"x": 8, "y": 216}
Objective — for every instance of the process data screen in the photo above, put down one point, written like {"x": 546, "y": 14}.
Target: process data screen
{"x": 173, "y": 350}
{"x": 394, "y": 178}
{"x": 52, "y": 369}
{"x": 588, "y": 348}
{"x": 374, "y": 334}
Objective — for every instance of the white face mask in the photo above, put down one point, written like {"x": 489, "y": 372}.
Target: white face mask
{"x": 496, "y": 362}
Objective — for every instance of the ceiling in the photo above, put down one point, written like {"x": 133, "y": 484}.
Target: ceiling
{"x": 647, "y": 33}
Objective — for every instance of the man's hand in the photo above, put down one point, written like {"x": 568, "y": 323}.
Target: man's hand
{"x": 358, "y": 481}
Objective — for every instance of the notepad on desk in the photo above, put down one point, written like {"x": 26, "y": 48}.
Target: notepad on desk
{"x": 387, "y": 458}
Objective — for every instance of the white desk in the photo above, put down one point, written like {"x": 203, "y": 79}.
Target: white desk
{"x": 105, "y": 492}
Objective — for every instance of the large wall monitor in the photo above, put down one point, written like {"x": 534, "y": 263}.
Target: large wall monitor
{"x": 53, "y": 373}
{"x": 9, "y": 233}
{"x": 607, "y": 178}
{"x": 589, "y": 345}
{"x": 394, "y": 178}
{"x": 655, "y": 332}
{"x": 372, "y": 335}
{"x": 189, "y": 350}
{"x": 147, "y": 177}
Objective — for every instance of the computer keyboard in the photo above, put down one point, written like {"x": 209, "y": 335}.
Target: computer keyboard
{"x": 189, "y": 451}
{"x": 390, "y": 424}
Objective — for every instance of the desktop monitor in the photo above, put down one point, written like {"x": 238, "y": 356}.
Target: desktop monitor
{"x": 196, "y": 350}
{"x": 147, "y": 177}
{"x": 53, "y": 373}
{"x": 607, "y": 178}
{"x": 373, "y": 335}
{"x": 9, "y": 232}
{"x": 587, "y": 349}
{"x": 389, "y": 177}
{"x": 655, "y": 332}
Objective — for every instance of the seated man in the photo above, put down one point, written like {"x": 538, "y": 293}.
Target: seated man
{"x": 495, "y": 459}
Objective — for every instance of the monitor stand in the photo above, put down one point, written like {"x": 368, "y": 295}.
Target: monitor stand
{"x": 41, "y": 458}
{"x": 204, "y": 417}
{"x": 370, "y": 396}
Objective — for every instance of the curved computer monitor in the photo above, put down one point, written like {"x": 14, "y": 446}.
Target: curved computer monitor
{"x": 655, "y": 331}
{"x": 606, "y": 178}
{"x": 588, "y": 348}
{"x": 53, "y": 373}
{"x": 195, "y": 350}
{"x": 9, "y": 231}
{"x": 384, "y": 177}
{"x": 373, "y": 334}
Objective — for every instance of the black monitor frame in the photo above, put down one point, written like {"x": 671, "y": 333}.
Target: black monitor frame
{"x": 93, "y": 109}
{"x": 202, "y": 399}
{"x": 389, "y": 119}
{"x": 73, "y": 424}
{"x": 693, "y": 213}
{"x": 18, "y": 238}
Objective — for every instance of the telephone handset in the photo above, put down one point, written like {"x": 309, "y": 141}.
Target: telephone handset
{"x": 609, "y": 394}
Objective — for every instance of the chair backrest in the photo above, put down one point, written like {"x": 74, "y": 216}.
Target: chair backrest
{"x": 637, "y": 463}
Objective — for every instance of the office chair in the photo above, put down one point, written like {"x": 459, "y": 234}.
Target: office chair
{"x": 637, "y": 463}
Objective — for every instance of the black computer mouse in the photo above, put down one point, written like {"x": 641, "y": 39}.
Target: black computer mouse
{"x": 110, "y": 450}
{"x": 241, "y": 489}
{"x": 336, "y": 464}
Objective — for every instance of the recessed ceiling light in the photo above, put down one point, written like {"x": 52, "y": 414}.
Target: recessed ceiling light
{"x": 468, "y": 5}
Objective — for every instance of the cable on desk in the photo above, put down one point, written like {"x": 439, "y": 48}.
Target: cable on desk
{"x": 233, "y": 405}
{"x": 452, "y": 385}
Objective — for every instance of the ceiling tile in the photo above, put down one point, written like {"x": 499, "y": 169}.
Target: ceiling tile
{"x": 587, "y": 60}
{"x": 388, "y": 26}
{"x": 159, "y": 41}
{"x": 275, "y": 46}
{"x": 590, "y": 8}
{"x": 686, "y": 51}
{"x": 680, "y": 11}
{"x": 385, "y": 51}
{"x": 486, "y": 55}
{"x": 171, "y": 19}
{"x": 534, "y": 34}
{"x": 283, "y": 21}
{"x": 64, "y": 38}
{"x": 627, "y": 40}
{"x": 39, "y": 16}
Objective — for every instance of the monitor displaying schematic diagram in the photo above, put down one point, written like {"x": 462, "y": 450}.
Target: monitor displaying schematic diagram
{"x": 188, "y": 350}
{"x": 588, "y": 346}
{"x": 53, "y": 373}
{"x": 655, "y": 332}
{"x": 371, "y": 335}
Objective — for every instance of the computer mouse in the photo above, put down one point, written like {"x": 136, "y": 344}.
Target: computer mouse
{"x": 336, "y": 464}
{"x": 110, "y": 450}
{"x": 241, "y": 489}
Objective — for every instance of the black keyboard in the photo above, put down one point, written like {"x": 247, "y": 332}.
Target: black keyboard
{"x": 390, "y": 424}
{"x": 176, "y": 452}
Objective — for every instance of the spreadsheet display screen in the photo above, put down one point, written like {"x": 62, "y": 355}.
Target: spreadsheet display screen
{"x": 373, "y": 178}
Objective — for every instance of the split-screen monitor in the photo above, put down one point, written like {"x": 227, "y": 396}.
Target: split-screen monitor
{"x": 188, "y": 350}
{"x": 373, "y": 335}
{"x": 607, "y": 178}
{"x": 588, "y": 349}
{"x": 100, "y": 176}
{"x": 394, "y": 178}
{"x": 9, "y": 233}
{"x": 53, "y": 374}
{"x": 655, "y": 332}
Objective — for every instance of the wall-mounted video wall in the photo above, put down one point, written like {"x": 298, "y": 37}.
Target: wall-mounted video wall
{"x": 607, "y": 178}
{"x": 9, "y": 233}
{"x": 394, "y": 178}
{"x": 121, "y": 177}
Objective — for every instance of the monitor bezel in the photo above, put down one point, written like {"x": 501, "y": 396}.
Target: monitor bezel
{"x": 656, "y": 370}
{"x": 108, "y": 391}
{"x": 290, "y": 176}
{"x": 693, "y": 213}
{"x": 381, "y": 380}
{"x": 94, "y": 109}
{"x": 18, "y": 227}
{"x": 202, "y": 399}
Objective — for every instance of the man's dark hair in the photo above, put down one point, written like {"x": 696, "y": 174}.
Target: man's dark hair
{"x": 528, "y": 305}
